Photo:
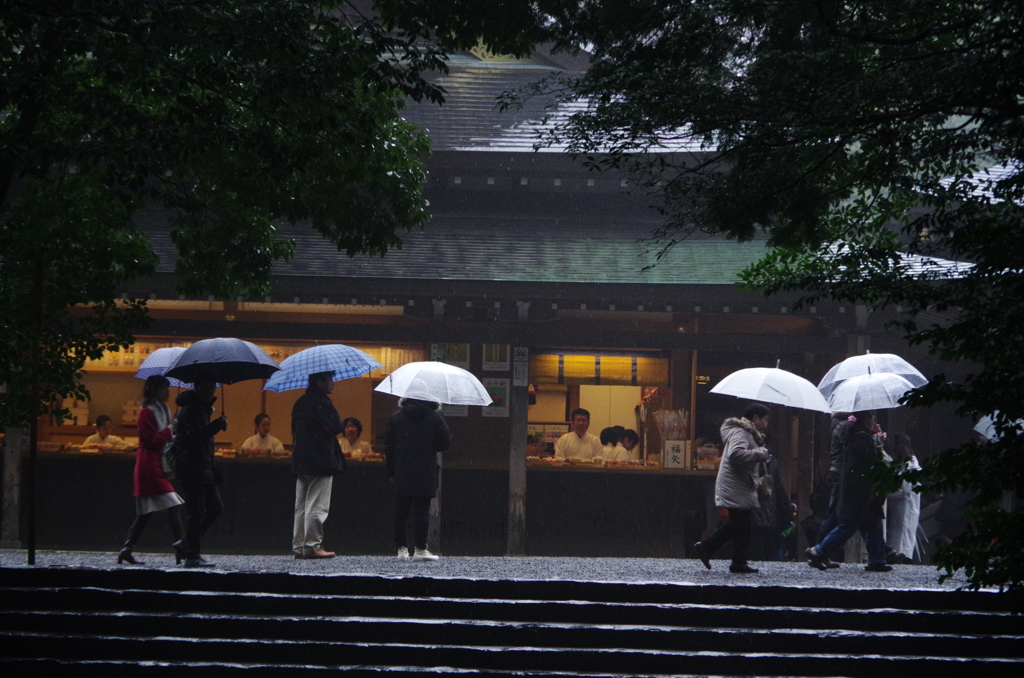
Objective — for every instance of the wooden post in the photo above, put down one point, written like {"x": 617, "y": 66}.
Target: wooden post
{"x": 29, "y": 471}
{"x": 434, "y": 526}
{"x": 518, "y": 410}
{"x": 14, "y": 457}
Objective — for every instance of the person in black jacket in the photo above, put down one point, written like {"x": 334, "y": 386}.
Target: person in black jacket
{"x": 858, "y": 505}
{"x": 415, "y": 434}
{"x": 197, "y": 477}
{"x": 316, "y": 459}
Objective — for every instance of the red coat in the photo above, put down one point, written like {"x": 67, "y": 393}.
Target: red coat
{"x": 149, "y": 475}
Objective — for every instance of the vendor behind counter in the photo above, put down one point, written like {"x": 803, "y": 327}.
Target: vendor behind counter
{"x": 103, "y": 437}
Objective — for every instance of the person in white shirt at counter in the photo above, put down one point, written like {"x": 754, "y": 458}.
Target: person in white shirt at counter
{"x": 611, "y": 443}
{"x": 630, "y": 439}
{"x": 351, "y": 445}
{"x": 104, "y": 426}
{"x": 263, "y": 442}
{"x": 578, "y": 443}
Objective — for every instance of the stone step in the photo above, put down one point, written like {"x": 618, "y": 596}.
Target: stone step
{"x": 94, "y": 600}
{"x": 455, "y": 658}
{"x": 556, "y": 590}
{"x": 490, "y": 633}
{"x": 120, "y": 621}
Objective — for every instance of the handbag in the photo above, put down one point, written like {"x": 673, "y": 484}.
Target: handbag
{"x": 165, "y": 462}
{"x": 172, "y": 454}
{"x": 764, "y": 483}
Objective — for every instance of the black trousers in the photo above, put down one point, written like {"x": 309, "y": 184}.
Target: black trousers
{"x": 203, "y": 506}
{"x": 738, "y": 530}
{"x": 420, "y": 508}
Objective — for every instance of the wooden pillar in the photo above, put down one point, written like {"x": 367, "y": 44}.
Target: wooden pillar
{"x": 518, "y": 408}
{"x": 10, "y": 513}
{"x": 434, "y": 527}
{"x": 517, "y": 471}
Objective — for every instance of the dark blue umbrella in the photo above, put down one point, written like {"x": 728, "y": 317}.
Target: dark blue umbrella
{"x": 226, "y": 360}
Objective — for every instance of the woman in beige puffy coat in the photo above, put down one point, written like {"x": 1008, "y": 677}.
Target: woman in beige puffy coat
{"x": 736, "y": 488}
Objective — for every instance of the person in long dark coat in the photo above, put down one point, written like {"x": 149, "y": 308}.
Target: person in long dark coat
{"x": 415, "y": 434}
{"x": 858, "y": 506}
{"x": 197, "y": 476}
{"x": 316, "y": 459}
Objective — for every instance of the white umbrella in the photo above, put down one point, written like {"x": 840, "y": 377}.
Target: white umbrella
{"x": 986, "y": 426}
{"x": 869, "y": 392}
{"x": 435, "y": 381}
{"x": 876, "y": 363}
{"x": 772, "y": 385}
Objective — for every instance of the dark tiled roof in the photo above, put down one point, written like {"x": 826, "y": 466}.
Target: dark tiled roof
{"x": 528, "y": 250}
{"x": 538, "y": 250}
{"x": 470, "y": 119}
{"x": 554, "y": 245}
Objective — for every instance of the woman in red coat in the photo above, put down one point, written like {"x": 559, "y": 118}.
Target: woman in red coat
{"x": 153, "y": 491}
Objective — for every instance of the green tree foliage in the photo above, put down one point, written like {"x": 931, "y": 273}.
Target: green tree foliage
{"x": 856, "y": 136}
{"x": 233, "y": 115}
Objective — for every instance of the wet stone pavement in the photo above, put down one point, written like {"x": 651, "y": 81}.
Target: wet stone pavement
{"x": 631, "y": 570}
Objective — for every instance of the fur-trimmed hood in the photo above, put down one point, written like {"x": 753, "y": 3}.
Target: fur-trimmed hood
{"x": 744, "y": 450}
{"x": 743, "y": 423}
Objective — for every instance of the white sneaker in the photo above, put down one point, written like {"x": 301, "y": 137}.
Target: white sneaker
{"x": 424, "y": 554}
{"x": 403, "y": 553}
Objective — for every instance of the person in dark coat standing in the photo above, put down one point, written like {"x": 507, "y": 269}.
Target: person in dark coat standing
{"x": 196, "y": 474}
{"x": 858, "y": 506}
{"x": 415, "y": 434}
{"x": 316, "y": 459}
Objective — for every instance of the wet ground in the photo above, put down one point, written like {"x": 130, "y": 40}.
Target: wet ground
{"x": 662, "y": 570}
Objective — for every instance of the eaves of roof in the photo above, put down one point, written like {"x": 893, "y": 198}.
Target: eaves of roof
{"x": 535, "y": 250}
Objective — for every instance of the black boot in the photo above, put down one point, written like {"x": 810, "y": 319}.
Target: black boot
{"x": 126, "y": 556}
{"x": 742, "y": 568}
{"x": 134, "y": 532}
{"x": 178, "y": 530}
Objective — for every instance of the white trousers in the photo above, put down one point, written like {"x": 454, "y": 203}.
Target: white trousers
{"x": 312, "y": 502}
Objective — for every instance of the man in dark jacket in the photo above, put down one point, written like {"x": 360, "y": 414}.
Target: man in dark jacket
{"x": 416, "y": 433}
{"x": 316, "y": 459}
{"x": 197, "y": 477}
{"x": 858, "y": 506}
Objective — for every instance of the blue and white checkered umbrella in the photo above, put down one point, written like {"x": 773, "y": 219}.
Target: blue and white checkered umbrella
{"x": 158, "y": 362}
{"x": 344, "y": 361}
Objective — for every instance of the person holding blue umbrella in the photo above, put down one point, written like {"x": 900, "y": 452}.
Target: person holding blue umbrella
{"x": 316, "y": 459}
{"x": 316, "y": 452}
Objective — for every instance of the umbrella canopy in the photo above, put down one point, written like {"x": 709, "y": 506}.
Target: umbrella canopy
{"x": 158, "y": 362}
{"x": 986, "y": 426}
{"x": 876, "y": 363}
{"x": 869, "y": 392}
{"x": 772, "y": 385}
{"x": 344, "y": 361}
{"x": 227, "y": 360}
{"x": 435, "y": 381}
